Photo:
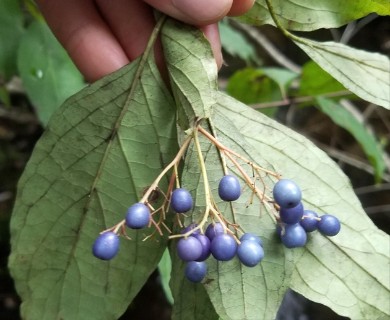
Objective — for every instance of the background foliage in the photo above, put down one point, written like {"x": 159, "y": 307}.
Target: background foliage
{"x": 76, "y": 154}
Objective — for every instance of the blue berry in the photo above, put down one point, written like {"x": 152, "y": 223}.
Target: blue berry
{"x": 189, "y": 249}
{"x": 291, "y": 215}
{"x": 213, "y": 229}
{"x": 229, "y": 188}
{"x": 250, "y": 253}
{"x": 106, "y": 246}
{"x": 293, "y": 236}
{"x": 309, "y": 221}
{"x": 205, "y": 242}
{"x": 251, "y": 237}
{"x": 138, "y": 216}
{"x": 287, "y": 194}
{"x": 223, "y": 247}
{"x": 195, "y": 271}
{"x": 329, "y": 225}
{"x": 181, "y": 200}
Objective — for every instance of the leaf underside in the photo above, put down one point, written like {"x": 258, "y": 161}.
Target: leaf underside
{"x": 81, "y": 178}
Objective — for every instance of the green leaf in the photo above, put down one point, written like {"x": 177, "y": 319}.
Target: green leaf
{"x": 48, "y": 74}
{"x": 364, "y": 73}
{"x": 366, "y": 139}
{"x": 236, "y": 44}
{"x": 100, "y": 150}
{"x": 165, "y": 268}
{"x": 334, "y": 271}
{"x": 316, "y": 81}
{"x": 306, "y": 15}
{"x": 11, "y": 30}
{"x": 253, "y": 86}
{"x": 192, "y": 70}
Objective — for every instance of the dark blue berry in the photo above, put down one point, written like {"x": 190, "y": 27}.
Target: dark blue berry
{"x": 205, "y": 242}
{"x": 189, "y": 249}
{"x": 223, "y": 247}
{"x": 138, "y": 216}
{"x": 250, "y": 253}
{"x": 309, "y": 221}
{"x": 229, "y": 188}
{"x": 293, "y": 236}
{"x": 291, "y": 215}
{"x": 181, "y": 200}
{"x": 195, "y": 271}
{"x": 251, "y": 237}
{"x": 106, "y": 246}
{"x": 213, "y": 229}
{"x": 329, "y": 225}
{"x": 287, "y": 194}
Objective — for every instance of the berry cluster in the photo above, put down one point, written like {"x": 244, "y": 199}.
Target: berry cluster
{"x": 213, "y": 234}
{"x": 294, "y": 220}
{"x": 217, "y": 240}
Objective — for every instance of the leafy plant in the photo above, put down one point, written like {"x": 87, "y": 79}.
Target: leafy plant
{"x": 113, "y": 144}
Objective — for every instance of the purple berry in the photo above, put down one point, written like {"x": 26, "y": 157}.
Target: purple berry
{"x": 106, "y": 246}
{"x": 309, "y": 220}
{"x": 189, "y": 249}
{"x": 286, "y": 193}
{"x": 181, "y": 200}
{"x": 195, "y": 271}
{"x": 138, "y": 216}
{"x": 250, "y": 253}
{"x": 251, "y": 237}
{"x": 329, "y": 225}
{"x": 229, "y": 188}
{"x": 291, "y": 215}
{"x": 223, "y": 247}
{"x": 293, "y": 236}
{"x": 213, "y": 229}
{"x": 205, "y": 242}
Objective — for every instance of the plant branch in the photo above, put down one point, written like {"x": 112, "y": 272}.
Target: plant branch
{"x": 289, "y": 101}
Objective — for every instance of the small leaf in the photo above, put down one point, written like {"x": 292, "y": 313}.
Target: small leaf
{"x": 48, "y": 74}
{"x": 11, "y": 30}
{"x": 304, "y": 15}
{"x": 364, "y": 73}
{"x": 236, "y": 44}
{"x": 165, "y": 268}
{"x": 192, "y": 70}
{"x": 316, "y": 81}
{"x": 366, "y": 139}
{"x": 253, "y": 86}
{"x": 99, "y": 152}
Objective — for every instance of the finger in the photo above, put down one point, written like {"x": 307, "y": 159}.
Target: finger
{"x": 239, "y": 7}
{"x": 87, "y": 38}
{"x": 212, "y": 34}
{"x": 131, "y": 21}
{"x": 195, "y": 12}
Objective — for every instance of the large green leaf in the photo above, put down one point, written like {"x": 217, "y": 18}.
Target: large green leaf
{"x": 333, "y": 271}
{"x": 364, "y": 73}
{"x": 189, "y": 57}
{"x": 100, "y": 150}
{"x": 307, "y": 15}
{"x": 48, "y": 74}
{"x": 11, "y": 29}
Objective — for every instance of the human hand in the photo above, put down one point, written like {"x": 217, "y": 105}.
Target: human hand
{"x": 102, "y": 36}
